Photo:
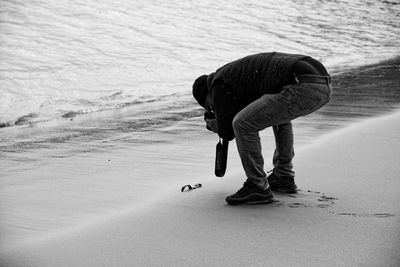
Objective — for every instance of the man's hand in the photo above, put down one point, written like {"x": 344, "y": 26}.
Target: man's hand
{"x": 211, "y": 121}
{"x": 212, "y": 125}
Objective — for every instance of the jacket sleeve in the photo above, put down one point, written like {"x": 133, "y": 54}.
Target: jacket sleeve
{"x": 224, "y": 110}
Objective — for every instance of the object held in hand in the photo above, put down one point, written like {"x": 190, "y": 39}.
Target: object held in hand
{"x": 211, "y": 121}
{"x": 188, "y": 187}
{"x": 208, "y": 115}
{"x": 221, "y": 157}
{"x": 212, "y": 125}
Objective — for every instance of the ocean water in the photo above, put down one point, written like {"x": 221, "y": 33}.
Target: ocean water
{"x": 59, "y": 58}
{"x": 87, "y": 83}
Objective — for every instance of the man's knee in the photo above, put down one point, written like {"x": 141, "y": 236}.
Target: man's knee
{"x": 240, "y": 124}
{"x": 237, "y": 123}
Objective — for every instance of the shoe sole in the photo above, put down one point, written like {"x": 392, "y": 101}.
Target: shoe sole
{"x": 292, "y": 190}
{"x": 251, "y": 200}
{"x": 261, "y": 202}
{"x": 287, "y": 191}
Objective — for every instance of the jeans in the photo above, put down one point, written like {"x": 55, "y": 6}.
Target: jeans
{"x": 276, "y": 110}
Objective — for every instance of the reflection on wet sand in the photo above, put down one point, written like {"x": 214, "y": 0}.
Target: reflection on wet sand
{"x": 364, "y": 92}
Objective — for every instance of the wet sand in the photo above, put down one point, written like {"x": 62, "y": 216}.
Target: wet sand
{"x": 71, "y": 203}
{"x": 346, "y": 214}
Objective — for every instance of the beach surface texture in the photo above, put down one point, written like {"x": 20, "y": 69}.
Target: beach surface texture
{"x": 347, "y": 213}
{"x": 99, "y": 131}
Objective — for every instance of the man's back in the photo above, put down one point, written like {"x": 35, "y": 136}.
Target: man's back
{"x": 250, "y": 77}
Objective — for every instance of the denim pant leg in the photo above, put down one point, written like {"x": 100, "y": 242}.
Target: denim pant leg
{"x": 284, "y": 150}
{"x": 260, "y": 114}
{"x": 273, "y": 109}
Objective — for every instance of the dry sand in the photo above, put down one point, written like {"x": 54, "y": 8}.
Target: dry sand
{"x": 346, "y": 214}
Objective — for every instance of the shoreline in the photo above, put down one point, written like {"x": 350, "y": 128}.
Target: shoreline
{"x": 373, "y": 74}
{"x": 90, "y": 177}
{"x": 365, "y": 92}
{"x": 70, "y": 183}
{"x": 337, "y": 220}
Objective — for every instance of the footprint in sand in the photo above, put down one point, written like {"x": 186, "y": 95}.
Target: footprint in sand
{"x": 383, "y": 215}
{"x": 326, "y": 198}
{"x": 317, "y": 199}
{"x": 308, "y": 198}
{"x": 323, "y": 205}
{"x": 315, "y": 192}
{"x": 369, "y": 215}
{"x": 297, "y": 205}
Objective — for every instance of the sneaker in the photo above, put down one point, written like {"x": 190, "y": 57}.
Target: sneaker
{"x": 283, "y": 185}
{"x": 251, "y": 194}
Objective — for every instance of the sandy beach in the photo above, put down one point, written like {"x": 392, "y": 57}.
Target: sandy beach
{"x": 99, "y": 131}
{"x": 120, "y": 204}
{"x": 346, "y": 214}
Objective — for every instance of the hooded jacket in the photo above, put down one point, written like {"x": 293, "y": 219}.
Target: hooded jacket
{"x": 239, "y": 83}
